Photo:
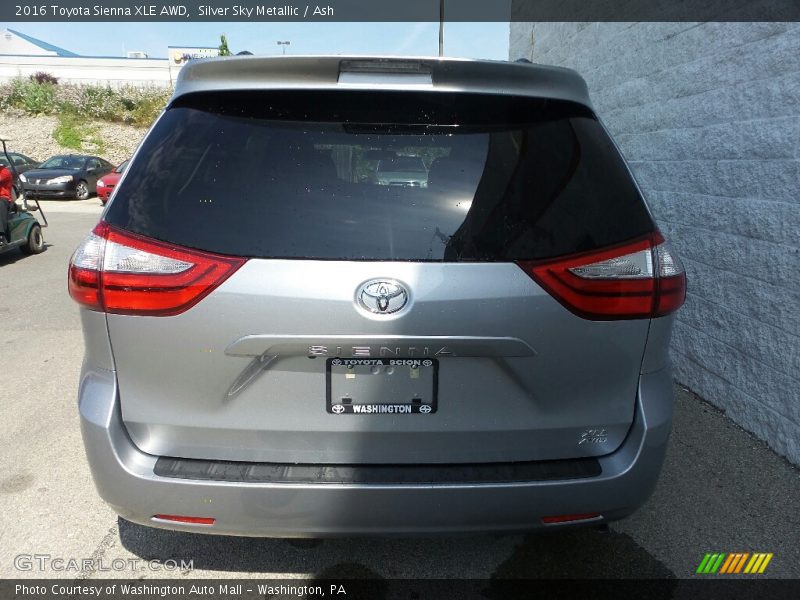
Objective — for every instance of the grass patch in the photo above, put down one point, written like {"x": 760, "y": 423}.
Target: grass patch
{"x": 75, "y": 133}
{"x": 67, "y": 133}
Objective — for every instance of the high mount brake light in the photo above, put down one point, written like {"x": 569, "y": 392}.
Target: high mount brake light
{"x": 119, "y": 272}
{"x": 640, "y": 279}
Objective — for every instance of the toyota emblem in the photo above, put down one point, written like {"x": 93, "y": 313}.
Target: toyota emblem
{"x": 382, "y": 296}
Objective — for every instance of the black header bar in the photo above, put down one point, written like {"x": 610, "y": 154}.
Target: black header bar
{"x": 398, "y": 10}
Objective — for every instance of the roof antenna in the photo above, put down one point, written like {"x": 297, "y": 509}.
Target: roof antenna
{"x": 441, "y": 28}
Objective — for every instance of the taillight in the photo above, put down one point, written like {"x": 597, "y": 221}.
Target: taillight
{"x": 636, "y": 280}
{"x": 119, "y": 272}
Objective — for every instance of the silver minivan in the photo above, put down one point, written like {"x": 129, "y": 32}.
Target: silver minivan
{"x": 277, "y": 344}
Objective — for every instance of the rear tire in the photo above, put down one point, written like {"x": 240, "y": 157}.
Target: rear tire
{"x": 82, "y": 190}
{"x": 35, "y": 243}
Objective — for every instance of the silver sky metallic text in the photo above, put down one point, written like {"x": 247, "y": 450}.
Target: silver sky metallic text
{"x": 264, "y": 10}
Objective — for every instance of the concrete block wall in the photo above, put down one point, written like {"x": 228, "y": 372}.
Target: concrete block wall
{"x": 708, "y": 116}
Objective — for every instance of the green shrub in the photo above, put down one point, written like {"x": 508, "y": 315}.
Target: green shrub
{"x": 146, "y": 110}
{"x": 100, "y": 103}
{"x": 32, "y": 97}
{"x": 132, "y": 105}
{"x": 43, "y": 77}
{"x": 143, "y": 105}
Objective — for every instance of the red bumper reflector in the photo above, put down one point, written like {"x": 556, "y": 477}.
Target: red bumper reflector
{"x": 190, "y": 520}
{"x": 568, "y": 518}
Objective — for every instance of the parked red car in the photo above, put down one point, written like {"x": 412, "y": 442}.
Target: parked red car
{"x": 107, "y": 183}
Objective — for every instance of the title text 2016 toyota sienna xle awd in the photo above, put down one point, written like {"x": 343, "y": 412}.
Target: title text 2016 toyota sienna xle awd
{"x": 278, "y": 343}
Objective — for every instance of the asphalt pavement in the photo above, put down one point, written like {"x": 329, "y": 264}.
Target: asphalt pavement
{"x": 721, "y": 490}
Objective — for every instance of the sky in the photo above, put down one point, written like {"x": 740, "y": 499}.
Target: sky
{"x": 468, "y": 40}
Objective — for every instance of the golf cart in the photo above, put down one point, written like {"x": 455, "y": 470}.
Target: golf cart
{"x": 25, "y": 230}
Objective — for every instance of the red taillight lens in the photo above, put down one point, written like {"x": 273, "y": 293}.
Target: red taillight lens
{"x": 636, "y": 280}
{"x": 124, "y": 273}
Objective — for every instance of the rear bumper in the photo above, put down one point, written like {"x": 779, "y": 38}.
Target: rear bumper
{"x": 125, "y": 478}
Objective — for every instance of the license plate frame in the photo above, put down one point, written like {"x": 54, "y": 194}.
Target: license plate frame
{"x": 412, "y": 395}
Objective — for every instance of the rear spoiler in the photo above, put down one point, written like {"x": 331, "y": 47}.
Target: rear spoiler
{"x": 369, "y": 73}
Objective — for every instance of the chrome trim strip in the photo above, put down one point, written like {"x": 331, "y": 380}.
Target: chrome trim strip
{"x": 379, "y": 346}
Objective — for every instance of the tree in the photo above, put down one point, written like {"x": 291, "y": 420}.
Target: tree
{"x": 223, "y": 46}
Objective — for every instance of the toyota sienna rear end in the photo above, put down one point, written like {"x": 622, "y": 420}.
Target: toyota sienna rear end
{"x": 281, "y": 341}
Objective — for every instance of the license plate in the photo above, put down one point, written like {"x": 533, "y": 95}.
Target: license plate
{"x": 382, "y": 386}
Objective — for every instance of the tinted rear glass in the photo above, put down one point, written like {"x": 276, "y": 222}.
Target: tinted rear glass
{"x": 379, "y": 176}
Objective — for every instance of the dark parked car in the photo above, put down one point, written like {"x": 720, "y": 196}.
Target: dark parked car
{"x": 66, "y": 176}
{"x": 22, "y": 164}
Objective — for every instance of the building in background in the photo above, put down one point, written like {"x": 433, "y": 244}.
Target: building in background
{"x": 17, "y": 43}
{"x": 180, "y": 55}
{"x": 707, "y": 114}
{"x": 22, "y": 55}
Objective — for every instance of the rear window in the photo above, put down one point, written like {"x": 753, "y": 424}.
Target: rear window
{"x": 379, "y": 176}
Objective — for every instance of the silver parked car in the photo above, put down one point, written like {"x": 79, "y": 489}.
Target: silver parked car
{"x": 279, "y": 345}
